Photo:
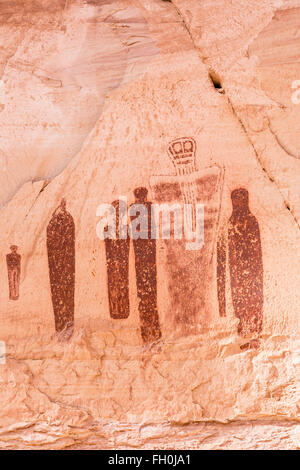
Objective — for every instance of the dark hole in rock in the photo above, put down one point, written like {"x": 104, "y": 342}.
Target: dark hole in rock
{"x": 215, "y": 80}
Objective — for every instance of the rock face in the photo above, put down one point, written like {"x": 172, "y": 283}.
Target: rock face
{"x": 110, "y": 341}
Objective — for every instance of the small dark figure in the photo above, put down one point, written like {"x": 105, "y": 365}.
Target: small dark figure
{"x": 13, "y": 261}
{"x": 245, "y": 265}
{"x": 146, "y": 276}
{"x": 61, "y": 260}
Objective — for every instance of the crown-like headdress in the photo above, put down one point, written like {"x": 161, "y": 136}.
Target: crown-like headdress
{"x": 182, "y": 153}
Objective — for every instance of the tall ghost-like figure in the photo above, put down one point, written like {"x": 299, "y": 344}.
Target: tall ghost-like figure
{"x": 13, "y": 261}
{"x": 187, "y": 265}
{"x": 146, "y": 273}
{"x": 61, "y": 260}
{"x": 245, "y": 266}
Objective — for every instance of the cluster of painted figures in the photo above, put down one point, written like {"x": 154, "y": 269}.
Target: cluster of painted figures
{"x": 239, "y": 247}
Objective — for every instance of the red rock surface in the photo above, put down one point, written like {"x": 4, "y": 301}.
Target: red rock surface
{"x": 93, "y": 96}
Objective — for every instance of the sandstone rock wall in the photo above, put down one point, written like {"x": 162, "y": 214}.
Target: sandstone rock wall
{"x": 93, "y": 95}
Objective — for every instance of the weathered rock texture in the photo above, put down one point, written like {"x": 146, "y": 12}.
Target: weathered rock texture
{"x": 93, "y": 93}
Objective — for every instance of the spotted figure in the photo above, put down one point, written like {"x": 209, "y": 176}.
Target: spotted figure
{"x": 117, "y": 264}
{"x": 146, "y": 272}
{"x": 61, "y": 261}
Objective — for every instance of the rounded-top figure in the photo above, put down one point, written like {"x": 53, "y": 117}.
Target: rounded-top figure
{"x": 245, "y": 266}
